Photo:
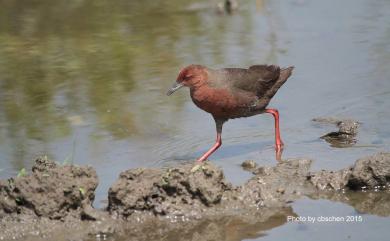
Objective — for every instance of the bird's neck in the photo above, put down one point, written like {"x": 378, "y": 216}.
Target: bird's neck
{"x": 198, "y": 86}
{"x": 201, "y": 92}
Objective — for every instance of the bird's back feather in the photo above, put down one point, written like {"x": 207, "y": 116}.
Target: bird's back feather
{"x": 257, "y": 79}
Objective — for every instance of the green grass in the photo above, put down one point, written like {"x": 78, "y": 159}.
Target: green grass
{"x": 22, "y": 172}
{"x": 82, "y": 191}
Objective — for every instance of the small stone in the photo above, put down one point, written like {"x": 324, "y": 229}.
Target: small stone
{"x": 249, "y": 165}
{"x": 280, "y": 190}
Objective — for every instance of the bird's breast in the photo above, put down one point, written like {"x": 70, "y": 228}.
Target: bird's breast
{"x": 222, "y": 102}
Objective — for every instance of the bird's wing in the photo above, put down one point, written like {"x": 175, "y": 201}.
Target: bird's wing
{"x": 257, "y": 79}
{"x": 266, "y": 72}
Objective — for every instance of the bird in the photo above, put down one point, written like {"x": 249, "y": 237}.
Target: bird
{"x": 230, "y": 93}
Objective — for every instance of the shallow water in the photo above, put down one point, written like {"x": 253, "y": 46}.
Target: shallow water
{"x": 85, "y": 82}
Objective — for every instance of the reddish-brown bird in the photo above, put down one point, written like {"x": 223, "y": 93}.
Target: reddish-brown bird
{"x": 233, "y": 93}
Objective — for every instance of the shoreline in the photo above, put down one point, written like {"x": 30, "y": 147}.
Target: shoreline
{"x": 53, "y": 198}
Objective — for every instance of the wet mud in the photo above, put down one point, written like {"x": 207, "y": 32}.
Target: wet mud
{"x": 345, "y": 136}
{"x": 51, "y": 191}
{"x": 177, "y": 203}
{"x": 181, "y": 191}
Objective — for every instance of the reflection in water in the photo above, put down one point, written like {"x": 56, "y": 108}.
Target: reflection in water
{"x": 339, "y": 140}
{"x": 257, "y": 225}
{"x": 375, "y": 202}
{"x": 61, "y": 59}
{"x": 224, "y": 228}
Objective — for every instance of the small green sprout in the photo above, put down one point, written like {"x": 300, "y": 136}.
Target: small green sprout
{"x": 18, "y": 200}
{"x": 67, "y": 160}
{"x": 164, "y": 181}
{"x": 82, "y": 191}
{"x": 22, "y": 172}
{"x": 165, "y": 178}
{"x": 70, "y": 158}
{"x": 196, "y": 168}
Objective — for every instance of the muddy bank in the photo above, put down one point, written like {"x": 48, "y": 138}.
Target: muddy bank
{"x": 186, "y": 191}
{"x": 51, "y": 191}
{"x": 175, "y": 203}
{"x": 181, "y": 191}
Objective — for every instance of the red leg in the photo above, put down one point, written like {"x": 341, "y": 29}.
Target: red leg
{"x": 217, "y": 144}
{"x": 278, "y": 154}
{"x": 278, "y": 142}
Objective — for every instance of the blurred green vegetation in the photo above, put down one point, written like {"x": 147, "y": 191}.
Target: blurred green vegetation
{"x": 103, "y": 64}
{"x": 62, "y": 57}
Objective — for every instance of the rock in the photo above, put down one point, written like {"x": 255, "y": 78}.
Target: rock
{"x": 249, "y": 165}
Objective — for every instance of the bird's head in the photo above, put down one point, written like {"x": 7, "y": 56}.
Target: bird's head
{"x": 190, "y": 76}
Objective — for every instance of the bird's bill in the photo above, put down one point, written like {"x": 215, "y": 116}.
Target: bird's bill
{"x": 175, "y": 87}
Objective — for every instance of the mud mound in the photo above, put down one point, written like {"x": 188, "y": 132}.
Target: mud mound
{"x": 345, "y": 136}
{"x": 183, "y": 190}
{"x": 371, "y": 172}
{"x": 51, "y": 191}
{"x": 335, "y": 180}
{"x": 368, "y": 173}
{"x": 147, "y": 204}
{"x": 275, "y": 186}
{"x": 188, "y": 191}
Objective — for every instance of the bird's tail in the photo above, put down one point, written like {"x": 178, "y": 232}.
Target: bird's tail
{"x": 285, "y": 73}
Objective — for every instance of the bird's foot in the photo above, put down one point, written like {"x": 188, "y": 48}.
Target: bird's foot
{"x": 279, "y": 151}
{"x": 279, "y": 146}
{"x": 203, "y": 158}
